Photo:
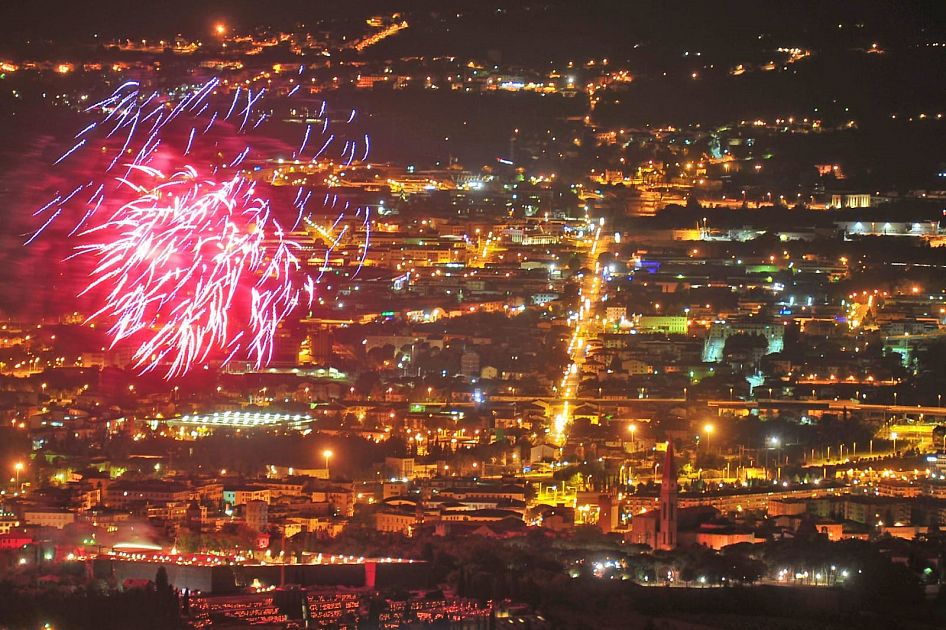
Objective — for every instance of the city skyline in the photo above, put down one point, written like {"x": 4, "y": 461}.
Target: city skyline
{"x": 545, "y": 314}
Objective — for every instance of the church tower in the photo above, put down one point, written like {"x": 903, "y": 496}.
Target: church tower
{"x": 667, "y": 533}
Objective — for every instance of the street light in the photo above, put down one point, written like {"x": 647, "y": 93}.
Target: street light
{"x": 633, "y": 429}
{"x": 893, "y": 436}
{"x": 708, "y": 428}
{"x": 327, "y": 454}
{"x": 774, "y": 442}
{"x": 18, "y": 467}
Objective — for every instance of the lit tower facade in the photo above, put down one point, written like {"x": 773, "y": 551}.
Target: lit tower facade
{"x": 667, "y": 532}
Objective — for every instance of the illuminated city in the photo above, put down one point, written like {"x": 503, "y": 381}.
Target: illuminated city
{"x": 536, "y": 314}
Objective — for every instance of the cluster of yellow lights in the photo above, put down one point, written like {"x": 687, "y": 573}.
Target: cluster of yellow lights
{"x": 243, "y": 418}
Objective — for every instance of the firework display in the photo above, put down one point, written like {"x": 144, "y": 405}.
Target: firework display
{"x": 190, "y": 257}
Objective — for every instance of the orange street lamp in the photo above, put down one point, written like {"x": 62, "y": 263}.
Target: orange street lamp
{"x": 327, "y": 454}
{"x": 17, "y": 467}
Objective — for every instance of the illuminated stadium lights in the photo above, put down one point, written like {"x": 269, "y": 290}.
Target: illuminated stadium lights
{"x": 241, "y": 419}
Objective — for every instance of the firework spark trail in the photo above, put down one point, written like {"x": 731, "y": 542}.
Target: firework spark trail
{"x": 210, "y": 124}
{"x": 90, "y": 127}
{"x": 325, "y": 146}
{"x": 54, "y": 201}
{"x": 305, "y": 138}
{"x": 70, "y": 151}
{"x": 191, "y": 260}
{"x": 236, "y": 97}
{"x": 44, "y": 226}
{"x": 98, "y": 202}
{"x": 190, "y": 140}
